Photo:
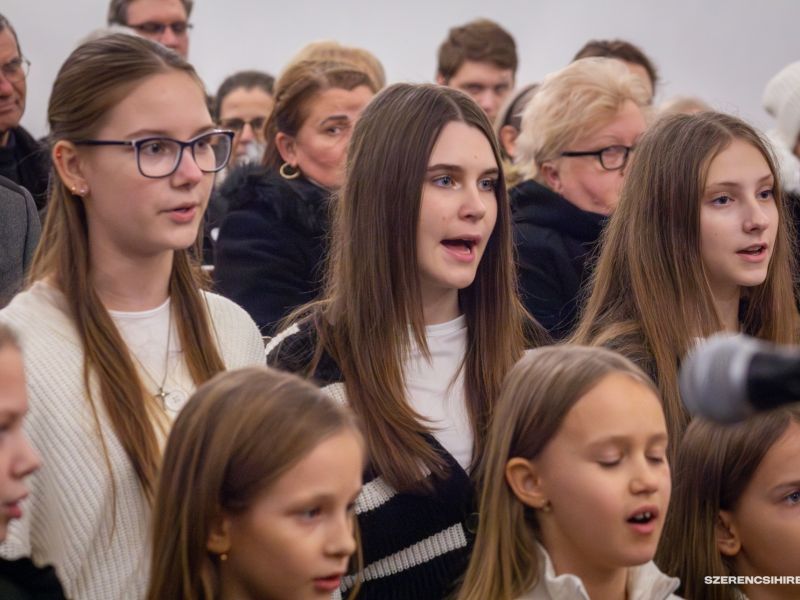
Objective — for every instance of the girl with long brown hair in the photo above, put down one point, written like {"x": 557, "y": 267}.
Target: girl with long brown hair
{"x": 273, "y": 466}
{"x": 736, "y": 508}
{"x": 574, "y": 484}
{"x": 699, "y": 243}
{"x": 115, "y": 330}
{"x": 418, "y": 325}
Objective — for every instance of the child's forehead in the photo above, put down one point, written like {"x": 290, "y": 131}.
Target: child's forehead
{"x": 617, "y": 407}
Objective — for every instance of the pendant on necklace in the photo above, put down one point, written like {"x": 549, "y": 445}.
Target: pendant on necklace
{"x": 161, "y": 395}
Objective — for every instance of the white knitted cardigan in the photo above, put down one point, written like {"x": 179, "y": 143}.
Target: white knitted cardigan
{"x": 101, "y": 551}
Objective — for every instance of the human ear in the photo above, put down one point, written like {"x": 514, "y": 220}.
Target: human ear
{"x": 508, "y": 138}
{"x": 69, "y": 167}
{"x": 523, "y": 477}
{"x": 728, "y": 542}
{"x": 552, "y": 177}
{"x": 219, "y": 539}
{"x": 286, "y": 148}
{"x": 441, "y": 79}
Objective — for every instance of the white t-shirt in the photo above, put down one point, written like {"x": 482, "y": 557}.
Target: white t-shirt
{"x": 145, "y": 333}
{"x": 437, "y": 393}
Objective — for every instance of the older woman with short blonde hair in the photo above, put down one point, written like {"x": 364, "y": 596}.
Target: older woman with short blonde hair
{"x": 577, "y": 134}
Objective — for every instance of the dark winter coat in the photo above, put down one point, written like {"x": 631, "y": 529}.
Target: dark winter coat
{"x": 273, "y": 241}
{"x": 555, "y": 241}
{"x": 25, "y": 161}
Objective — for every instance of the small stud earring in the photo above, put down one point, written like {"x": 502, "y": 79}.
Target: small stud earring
{"x": 546, "y": 507}
{"x": 223, "y": 556}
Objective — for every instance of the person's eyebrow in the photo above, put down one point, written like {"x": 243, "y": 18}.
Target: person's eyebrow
{"x": 334, "y": 118}
{"x": 140, "y": 133}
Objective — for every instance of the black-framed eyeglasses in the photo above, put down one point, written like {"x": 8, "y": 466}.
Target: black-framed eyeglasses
{"x": 154, "y": 28}
{"x": 612, "y": 158}
{"x": 16, "y": 69}
{"x": 158, "y": 157}
{"x": 236, "y": 124}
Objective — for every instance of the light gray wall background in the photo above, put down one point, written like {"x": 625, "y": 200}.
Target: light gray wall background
{"x": 721, "y": 50}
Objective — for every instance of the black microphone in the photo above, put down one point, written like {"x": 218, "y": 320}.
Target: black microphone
{"x": 727, "y": 378}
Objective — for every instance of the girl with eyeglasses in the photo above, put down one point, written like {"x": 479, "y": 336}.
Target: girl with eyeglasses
{"x": 699, "y": 244}
{"x": 115, "y": 330}
{"x": 577, "y": 134}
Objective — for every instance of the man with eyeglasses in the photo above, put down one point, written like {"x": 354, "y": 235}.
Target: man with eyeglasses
{"x": 163, "y": 21}
{"x": 23, "y": 160}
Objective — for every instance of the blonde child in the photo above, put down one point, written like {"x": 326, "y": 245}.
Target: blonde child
{"x": 575, "y": 483}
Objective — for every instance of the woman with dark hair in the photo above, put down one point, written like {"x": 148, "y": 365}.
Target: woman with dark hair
{"x": 418, "y": 324}
{"x": 273, "y": 241}
{"x": 115, "y": 329}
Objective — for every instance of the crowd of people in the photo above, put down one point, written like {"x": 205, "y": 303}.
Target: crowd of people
{"x": 319, "y": 337}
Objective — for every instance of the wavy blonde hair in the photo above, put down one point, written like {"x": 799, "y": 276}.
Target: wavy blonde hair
{"x": 572, "y": 103}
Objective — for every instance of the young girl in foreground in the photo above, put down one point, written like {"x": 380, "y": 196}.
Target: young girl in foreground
{"x": 575, "y": 483}
{"x": 257, "y": 493}
{"x": 19, "y": 579}
{"x": 698, "y": 244}
{"x": 736, "y": 507}
{"x": 418, "y": 325}
{"x": 115, "y": 330}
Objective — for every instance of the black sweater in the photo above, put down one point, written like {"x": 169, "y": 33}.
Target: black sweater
{"x": 272, "y": 244}
{"x": 22, "y": 580}
{"x": 415, "y": 546}
{"x": 555, "y": 241}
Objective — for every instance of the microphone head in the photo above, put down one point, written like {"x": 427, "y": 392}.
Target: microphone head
{"x": 713, "y": 377}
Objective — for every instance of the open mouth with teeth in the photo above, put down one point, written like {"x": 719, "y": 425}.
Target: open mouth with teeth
{"x": 463, "y": 247}
{"x": 642, "y": 518}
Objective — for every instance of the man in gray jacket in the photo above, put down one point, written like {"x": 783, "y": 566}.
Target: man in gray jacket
{"x": 19, "y": 234}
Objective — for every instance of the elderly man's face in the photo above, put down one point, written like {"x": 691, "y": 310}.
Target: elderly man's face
{"x": 12, "y": 91}
{"x": 163, "y": 21}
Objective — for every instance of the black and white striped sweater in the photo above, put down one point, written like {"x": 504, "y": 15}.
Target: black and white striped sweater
{"x": 415, "y": 546}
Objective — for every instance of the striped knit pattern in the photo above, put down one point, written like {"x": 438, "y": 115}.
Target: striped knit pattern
{"x": 100, "y": 550}
{"x": 415, "y": 546}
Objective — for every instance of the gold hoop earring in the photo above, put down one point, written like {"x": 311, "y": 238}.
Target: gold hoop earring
{"x": 287, "y": 171}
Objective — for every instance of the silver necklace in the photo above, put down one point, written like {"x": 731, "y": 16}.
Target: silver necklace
{"x": 160, "y": 395}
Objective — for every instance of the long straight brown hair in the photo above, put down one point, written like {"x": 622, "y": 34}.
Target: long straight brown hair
{"x": 95, "y": 77}
{"x": 650, "y": 296}
{"x": 372, "y": 304}
{"x": 714, "y": 465}
{"x": 537, "y": 395}
{"x": 237, "y": 435}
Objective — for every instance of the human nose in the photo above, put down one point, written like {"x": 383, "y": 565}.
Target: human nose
{"x": 487, "y": 100}
{"x": 757, "y": 218}
{"x": 645, "y": 477}
{"x": 187, "y": 168}
{"x": 27, "y": 458}
{"x": 341, "y": 540}
{"x": 168, "y": 38}
{"x": 6, "y": 88}
{"x": 474, "y": 203}
{"x": 248, "y": 134}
